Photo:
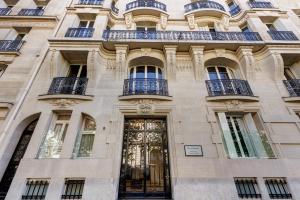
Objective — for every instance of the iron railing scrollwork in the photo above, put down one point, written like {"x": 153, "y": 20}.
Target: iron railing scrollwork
{"x": 146, "y": 3}
{"x": 260, "y": 4}
{"x": 293, "y": 87}
{"x": 203, "y": 5}
{"x": 5, "y": 11}
{"x": 10, "y": 45}
{"x": 180, "y": 35}
{"x": 80, "y": 32}
{"x": 90, "y": 2}
{"x": 144, "y": 86}
{"x": 228, "y": 87}
{"x": 68, "y": 85}
{"x": 282, "y": 35}
{"x": 31, "y": 12}
{"x": 235, "y": 10}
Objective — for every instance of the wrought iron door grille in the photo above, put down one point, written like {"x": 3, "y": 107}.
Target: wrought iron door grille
{"x": 145, "y": 161}
{"x": 247, "y": 188}
{"x": 36, "y": 189}
{"x": 278, "y": 188}
{"x": 73, "y": 189}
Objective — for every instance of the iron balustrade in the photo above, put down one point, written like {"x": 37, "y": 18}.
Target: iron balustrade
{"x": 293, "y": 87}
{"x": 145, "y": 86}
{"x": 278, "y": 189}
{"x": 203, "y": 5}
{"x": 235, "y": 10}
{"x": 247, "y": 188}
{"x": 146, "y": 3}
{"x": 228, "y": 87}
{"x": 260, "y": 4}
{"x": 10, "y": 45}
{"x": 114, "y": 9}
{"x": 80, "y": 32}
{"x": 68, "y": 85}
{"x": 31, "y": 12}
{"x": 180, "y": 35}
{"x": 90, "y": 2}
{"x": 73, "y": 189}
{"x": 36, "y": 189}
{"x": 282, "y": 35}
{"x": 5, "y": 11}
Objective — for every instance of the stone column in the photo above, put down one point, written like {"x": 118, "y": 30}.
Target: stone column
{"x": 121, "y": 55}
{"x": 170, "y": 53}
{"x": 198, "y": 61}
{"x": 75, "y": 125}
{"x": 247, "y": 61}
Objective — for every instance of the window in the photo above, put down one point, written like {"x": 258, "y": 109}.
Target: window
{"x": 144, "y": 28}
{"x": 36, "y": 189}
{"x": 20, "y": 36}
{"x": 278, "y": 188}
{"x": 247, "y": 188}
{"x": 73, "y": 189}
{"x": 2, "y": 69}
{"x": 242, "y": 138}
{"x": 218, "y": 72}
{"x": 289, "y": 75}
{"x": 85, "y": 139}
{"x": 246, "y": 29}
{"x": 86, "y": 24}
{"x": 271, "y": 27}
{"x": 54, "y": 139}
{"x": 79, "y": 71}
{"x": 149, "y": 72}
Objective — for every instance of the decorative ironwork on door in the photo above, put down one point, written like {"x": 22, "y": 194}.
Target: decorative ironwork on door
{"x": 145, "y": 161}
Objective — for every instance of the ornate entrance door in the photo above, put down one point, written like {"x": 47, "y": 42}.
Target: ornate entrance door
{"x": 145, "y": 159}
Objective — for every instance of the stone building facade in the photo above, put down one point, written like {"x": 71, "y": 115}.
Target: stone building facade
{"x": 105, "y": 100}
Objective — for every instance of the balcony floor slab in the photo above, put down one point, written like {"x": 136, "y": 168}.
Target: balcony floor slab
{"x": 232, "y": 97}
{"x": 65, "y": 96}
{"x": 158, "y": 97}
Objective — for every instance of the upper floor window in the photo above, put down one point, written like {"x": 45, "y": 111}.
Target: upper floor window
{"x": 242, "y": 138}
{"x": 289, "y": 75}
{"x": 247, "y": 188}
{"x": 20, "y": 36}
{"x": 278, "y": 188}
{"x": 86, "y": 24}
{"x": 145, "y": 28}
{"x": 85, "y": 139}
{"x": 53, "y": 141}
{"x": 2, "y": 69}
{"x": 73, "y": 189}
{"x": 146, "y": 72}
{"x": 218, "y": 72}
{"x": 79, "y": 71}
{"x": 271, "y": 27}
{"x": 36, "y": 189}
{"x": 246, "y": 29}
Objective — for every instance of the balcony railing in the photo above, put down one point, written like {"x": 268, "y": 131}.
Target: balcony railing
{"x": 10, "y": 45}
{"x": 228, "y": 87}
{"x": 203, "y": 5}
{"x": 235, "y": 10}
{"x": 146, "y": 3}
{"x": 90, "y": 2}
{"x": 260, "y": 4}
{"x": 293, "y": 87}
{"x": 282, "y": 35}
{"x": 5, "y": 11}
{"x": 180, "y": 35}
{"x": 31, "y": 12}
{"x": 144, "y": 86}
{"x": 114, "y": 9}
{"x": 68, "y": 85}
{"x": 80, "y": 32}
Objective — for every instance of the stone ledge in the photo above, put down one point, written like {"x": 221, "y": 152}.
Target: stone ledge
{"x": 65, "y": 96}
{"x": 233, "y": 97}
{"x": 158, "y": 97}
{"x": 291, "y": 99}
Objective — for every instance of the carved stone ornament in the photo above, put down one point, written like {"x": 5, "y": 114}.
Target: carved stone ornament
{"x": 191, "y": 21}
{"x": 128, "y": 20}
{"x": 63, "y": 103}
{"x": 163, "y": 21}
{"x": 233, "y": 105}
{"x": 144, "y": 106}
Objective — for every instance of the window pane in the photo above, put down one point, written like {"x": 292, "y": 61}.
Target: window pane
{"x": 212, "y": 73}
{"x": 223, "y": 73}
{"x": 151, "y": 72}
{"x": 86, "y": 145}
{"x": 140, "y": 72}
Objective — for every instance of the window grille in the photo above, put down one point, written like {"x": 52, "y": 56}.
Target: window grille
{"x": 35, "y": 189}
{"x": 73, "y": 189}
{"x": 278, "y": 188}
{"x": 247, "y": 188}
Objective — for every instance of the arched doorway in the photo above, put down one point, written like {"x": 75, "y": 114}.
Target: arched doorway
{"x": 16, "y": 159}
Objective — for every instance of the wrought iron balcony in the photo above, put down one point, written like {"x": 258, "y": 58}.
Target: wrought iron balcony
{"x": 114, "y": 9}
{"x": 180, "y": 35}
{"x": 293, "y": 87}
{"x": 68, "y": 85}
{"x": 260, "y": 4}
{"x": 282, "y": 35}
{"x": 203, "y": 5}
{"x": 146, "y": 3}
{"x": 80, "y": 32}
{"x": 90, "y": 2}
{"x": 144, "y": 86}
{"x": 10, "y": 45}
{"x": 228, "y": 87}
{"x": 5, "y": 11}
{"x": 31, "y": 12}
{"x": 235, "y": 10}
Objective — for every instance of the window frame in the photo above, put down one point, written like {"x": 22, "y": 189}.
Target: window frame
{"x": 146, "y": 71}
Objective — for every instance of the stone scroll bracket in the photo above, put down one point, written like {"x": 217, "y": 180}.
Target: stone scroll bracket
{"x": 247, "y": 60}
{"x": 121, "y": 55}
{"x": 198, "y": 61}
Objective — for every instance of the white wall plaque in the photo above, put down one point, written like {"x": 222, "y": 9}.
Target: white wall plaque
{"x": 193, "y": 150}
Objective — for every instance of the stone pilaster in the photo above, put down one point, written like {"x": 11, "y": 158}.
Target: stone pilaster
{"x": 198, "y": 61}
{"x": 191, "y": 21}
{"x": 53, "y": 62}
{"x": 121, "y": 55}
{"x": 247, "y": 61}
{"x": 170, "y": 52}
{"x": 128, "y": 20}
{"x": 163, "y": 21}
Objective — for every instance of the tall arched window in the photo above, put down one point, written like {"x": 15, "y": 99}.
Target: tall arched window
{"x": 219, "y": 72}
{"x": 146, "y": 72}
